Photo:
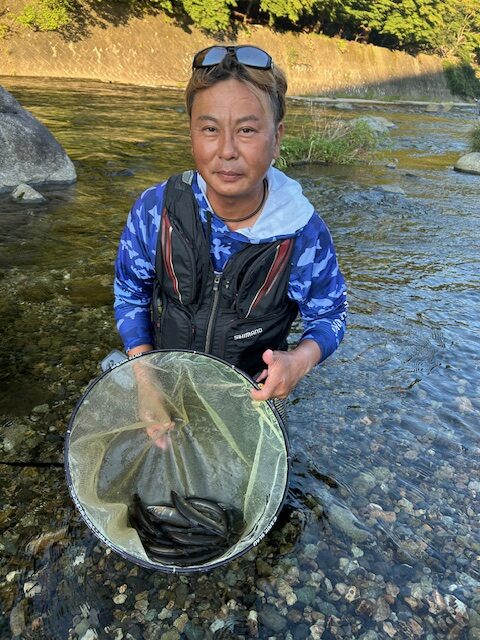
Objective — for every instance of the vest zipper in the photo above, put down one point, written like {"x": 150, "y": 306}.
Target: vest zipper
{"x": 213, "y": 311}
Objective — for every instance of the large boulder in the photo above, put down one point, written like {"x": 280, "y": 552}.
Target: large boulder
{"x": 377, "y": 124}
{"x": 28, "y": 151}
{"x": 469, "y": 163}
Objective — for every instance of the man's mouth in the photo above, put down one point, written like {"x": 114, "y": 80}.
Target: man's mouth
{"x": 228, "y": 176}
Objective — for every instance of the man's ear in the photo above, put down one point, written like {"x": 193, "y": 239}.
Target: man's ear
{"x": 278, "y": 139}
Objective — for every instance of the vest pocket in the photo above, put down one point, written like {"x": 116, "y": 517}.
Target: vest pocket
{"x": 176, "y": 330}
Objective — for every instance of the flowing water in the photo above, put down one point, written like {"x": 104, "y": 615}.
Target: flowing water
{"x": 380, "y": 535}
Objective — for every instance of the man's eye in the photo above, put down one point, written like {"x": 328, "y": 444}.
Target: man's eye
{"x": 246, "y": 130}
{"x": 209, "y": 129}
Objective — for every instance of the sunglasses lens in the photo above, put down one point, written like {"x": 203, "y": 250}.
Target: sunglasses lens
{"x": 249, "y": 56}
{"x": 209, "y": 57}
{"x": 253, "y": 57}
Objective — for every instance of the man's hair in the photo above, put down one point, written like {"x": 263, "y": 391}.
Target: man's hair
{"x": 269, "y": 82}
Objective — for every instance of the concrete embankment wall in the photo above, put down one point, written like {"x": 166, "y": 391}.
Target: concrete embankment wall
{"x": 150, "y": 50}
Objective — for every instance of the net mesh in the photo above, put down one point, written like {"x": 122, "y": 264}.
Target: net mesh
{"x": 224, "y": 447}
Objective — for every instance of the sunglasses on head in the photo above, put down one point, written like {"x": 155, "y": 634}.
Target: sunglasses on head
{"x": 243, "y": 54}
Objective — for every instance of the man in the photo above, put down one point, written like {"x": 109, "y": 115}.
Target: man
{"x": 226, "y": 256}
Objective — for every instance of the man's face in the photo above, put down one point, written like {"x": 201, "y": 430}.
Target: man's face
{"x": 234, "y": 140}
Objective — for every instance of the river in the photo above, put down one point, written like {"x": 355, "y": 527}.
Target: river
{"x": 380, "y": 534}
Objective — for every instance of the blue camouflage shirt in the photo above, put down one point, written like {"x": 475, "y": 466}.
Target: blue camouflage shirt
{"x": 316, "y": 283}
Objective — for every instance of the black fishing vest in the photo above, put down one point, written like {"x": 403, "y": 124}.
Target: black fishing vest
{"x": 234, "y": 315}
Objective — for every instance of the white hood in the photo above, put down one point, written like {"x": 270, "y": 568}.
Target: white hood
{"x": 285, "y": 212}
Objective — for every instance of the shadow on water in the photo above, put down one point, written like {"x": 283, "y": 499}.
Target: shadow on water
{"x": 379, "y": 536}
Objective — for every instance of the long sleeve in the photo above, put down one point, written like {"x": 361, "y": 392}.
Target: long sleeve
{"x": 318, "y": 287}
{"x": 135, "y": 269}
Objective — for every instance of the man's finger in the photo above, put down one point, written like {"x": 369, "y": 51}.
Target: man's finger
{"x": 261, "y": 376}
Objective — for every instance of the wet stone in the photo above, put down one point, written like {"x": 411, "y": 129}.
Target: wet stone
{"x": 18, "y": 618}
{"x": 270, "y": 617}
{"x": 306, "y": 595}
{"x": 193, "y": 632}
{"x": 171, "y": 634}
{"x": 263, "y": 568}
{"x": 301, "y": 631}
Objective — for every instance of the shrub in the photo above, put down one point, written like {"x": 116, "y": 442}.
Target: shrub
{"x": 462, "y": 80}
{"x": 328, "y": 142}
{"x": 475, "y": 138}
{"x": 46, "y": 15}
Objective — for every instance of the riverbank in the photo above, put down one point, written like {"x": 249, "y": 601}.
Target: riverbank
{"x": 150, "y": 50}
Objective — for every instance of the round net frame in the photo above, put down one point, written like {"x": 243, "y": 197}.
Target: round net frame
{"x": 224, "y": 447}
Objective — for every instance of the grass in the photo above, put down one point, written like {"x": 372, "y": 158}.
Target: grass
{"x": 475, "y": 138}
{"x": 328, "y": 141}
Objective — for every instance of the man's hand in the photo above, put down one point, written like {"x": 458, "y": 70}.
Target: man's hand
{"x": 285, "y": 369}
{"x": 153, "y": 411}
{"x": 152, "y": 406}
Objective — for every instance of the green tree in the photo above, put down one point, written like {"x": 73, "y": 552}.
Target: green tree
{"x": 291, "y": 9}
{"x": 210, "y": 15}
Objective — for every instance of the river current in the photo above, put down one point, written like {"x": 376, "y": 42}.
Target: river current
{"x": 380, "y": 536}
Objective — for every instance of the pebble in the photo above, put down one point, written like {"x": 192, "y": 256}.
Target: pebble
{"x": 120, "y": 598}
{"x": 382, "y": 610}
{"x": 172, "y": 634}
{"x": 317, "y": 629}
{"x": 18, "y": 618}
{"x": 272, "y": 619}
{"x": 31, "y": 589}
{"x": 181, "y": 622}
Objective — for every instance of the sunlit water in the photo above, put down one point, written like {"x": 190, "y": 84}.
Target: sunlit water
{"x": 380, "y": 535}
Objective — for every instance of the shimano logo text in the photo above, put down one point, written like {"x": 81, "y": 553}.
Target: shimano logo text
{"x": 248, "y": 334}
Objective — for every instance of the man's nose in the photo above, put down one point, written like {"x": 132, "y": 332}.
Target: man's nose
{"x": 228, "y": 147}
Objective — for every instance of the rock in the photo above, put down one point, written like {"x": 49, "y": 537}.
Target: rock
{"x": 172, "y": 634}
{"x": 30, "y": 153}
{"x": 31, "y": 589}
{"x": 120, "y": 598}
{"x": 263, "y": 568}
{"x": 45, "y": 540}
{"x": 272, "y": 619}
{"x": 348, "y": 523}
{"x": 252, "y": 623}
{"x": 377, "y": 124}
{"x": 28, "y": 195}
{"x": 18, "y": 618}
{"x": 363, "y": 483}
{"x": 301, "y": 631}
{"x": 193, "y": 632}
{"x": 456, "y": 608}
{"x": 317, "y": 629}
{"x": 469, "y": 163}
{"x": 392, "y": 188}
{"x": 382, "y": 611}
{"x": 181, "y": 622}
{"x": 343, "y": 106}
{"x": 15, "y": 435}
{"x": 306, "y": 595}
{"x": 433, "y": 108}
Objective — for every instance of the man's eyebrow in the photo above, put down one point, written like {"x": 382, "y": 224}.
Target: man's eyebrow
{"x": 249, "y": 118}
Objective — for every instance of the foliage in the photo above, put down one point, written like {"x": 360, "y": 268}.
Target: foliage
{"x": 475, "y": 138}
{"x": 210, "y": 15}
{"x": 291, "y": 9}
{"x": 462, "y": 80}
{"x": 450, "y": 28}
{"x": 46, "y": 15}
{"x": 328, "y": 142}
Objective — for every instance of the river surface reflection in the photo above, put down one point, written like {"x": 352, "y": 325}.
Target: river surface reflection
{"x": 380, "y": 536}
